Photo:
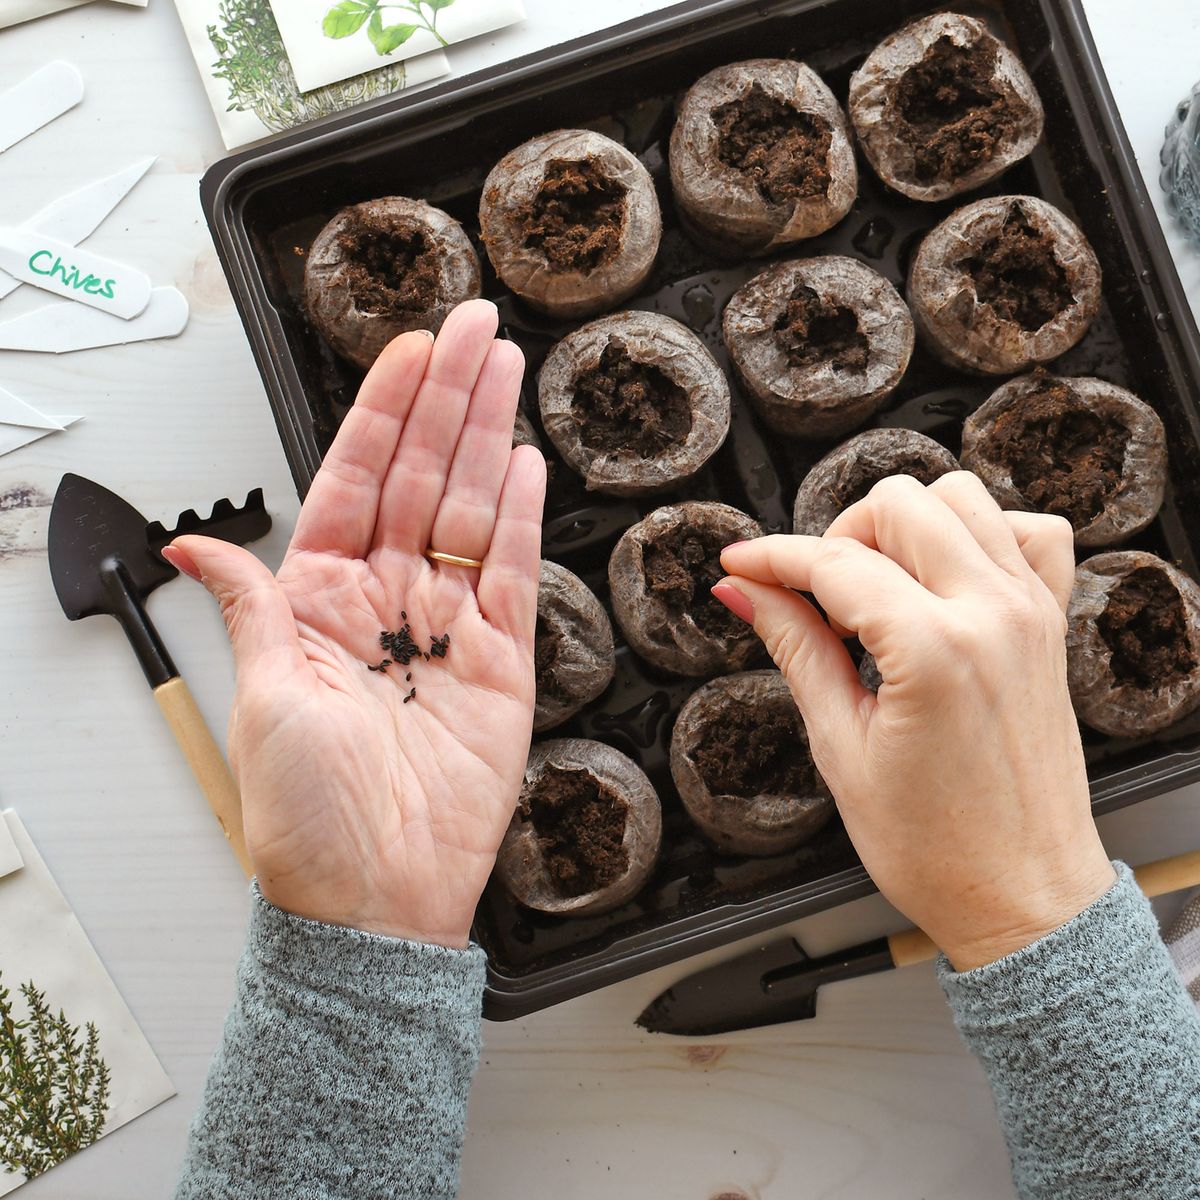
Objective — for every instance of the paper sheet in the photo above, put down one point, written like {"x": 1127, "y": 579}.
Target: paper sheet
{"x": 13, "y": 12}
{"x": 42, "y": 943}
{"x": 62, "y": 328}
{"x": 250, "y": 85}
{"x": 331, "y": 40}
{"x": 48, "y": 93}
{"x": 21, "y": 424}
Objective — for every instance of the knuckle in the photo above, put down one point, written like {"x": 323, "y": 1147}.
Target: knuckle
{"x": 892, "y": 487}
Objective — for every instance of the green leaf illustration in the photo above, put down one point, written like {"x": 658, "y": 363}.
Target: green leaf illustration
{"x": 437, "y": 5}
{"x": 54, "y": 1086}
{"x": 385, "y": 40}
{"x": 347, "y": 17}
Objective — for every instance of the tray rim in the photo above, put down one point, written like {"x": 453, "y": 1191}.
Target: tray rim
{"x": 512, "y": 996}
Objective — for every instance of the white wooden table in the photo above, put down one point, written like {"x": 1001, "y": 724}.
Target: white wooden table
{"x": 877, "y": 1098}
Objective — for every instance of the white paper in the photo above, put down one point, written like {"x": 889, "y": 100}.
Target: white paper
{"x": 76, "y": 274}
{"x": 255, "y": 93}
{"x": 42, "y": 942}
{"x": 48, "y": 93}
{"x": 14, "y": 411}
{"x": 72, "y": 217}
{"x": 62, "y": 328}
{"x": 319, "y": 58}
{"x": 13, "y": 12}
{"x": 10, "y": 856}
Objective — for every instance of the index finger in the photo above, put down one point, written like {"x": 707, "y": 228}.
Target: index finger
{"x": 860, "y": 589}
{"x": 339, "y": 513}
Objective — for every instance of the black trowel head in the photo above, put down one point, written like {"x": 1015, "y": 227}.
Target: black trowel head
{"x": 93, "y": 532}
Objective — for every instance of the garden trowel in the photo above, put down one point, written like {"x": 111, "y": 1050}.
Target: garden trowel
{"x": 102, "y": 561}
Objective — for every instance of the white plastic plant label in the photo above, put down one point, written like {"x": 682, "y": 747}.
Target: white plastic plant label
{"x": 76, "y": 274}
{"x": 62, "y": 328}
{"x": 48, "y": 93}
{"x": 73, "y": 216}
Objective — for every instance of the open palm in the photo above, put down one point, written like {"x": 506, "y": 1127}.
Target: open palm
{"x": 366, "y": 803}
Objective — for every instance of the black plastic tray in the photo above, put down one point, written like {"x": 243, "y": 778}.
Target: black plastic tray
{"x": 265, "y": 205}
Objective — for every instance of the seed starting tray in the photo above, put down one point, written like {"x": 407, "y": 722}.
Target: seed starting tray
{"x": 265, "y": 206}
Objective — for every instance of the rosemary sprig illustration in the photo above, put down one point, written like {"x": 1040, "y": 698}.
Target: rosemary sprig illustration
{"x": 54, "y": 1086}
{"x": 349, "y": 16}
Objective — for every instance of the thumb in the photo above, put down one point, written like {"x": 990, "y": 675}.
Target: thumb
{"x": 257, "y": 614}
{"x": 813, "y": 660}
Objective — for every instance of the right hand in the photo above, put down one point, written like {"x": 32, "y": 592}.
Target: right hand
{"x": 962, "y": 784}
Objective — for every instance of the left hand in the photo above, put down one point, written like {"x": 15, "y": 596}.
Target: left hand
{"x": 361, "y": 809}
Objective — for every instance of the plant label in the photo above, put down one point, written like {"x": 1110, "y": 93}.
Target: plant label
{"x": 38, "y": 99}
{"x": 61, "y": 328}
{"x": 76, "y": 274}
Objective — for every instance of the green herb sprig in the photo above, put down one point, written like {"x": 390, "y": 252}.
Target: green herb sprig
{"x": 54, "y": 1086}
{"x": 256, "y": 70}
{"x": 349, "y": 16}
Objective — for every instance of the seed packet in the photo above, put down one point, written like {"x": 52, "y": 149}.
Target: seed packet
{"x": 330, "y": 40}
{"x": 74, "y": 1065}
{"x": 249, "y": 80}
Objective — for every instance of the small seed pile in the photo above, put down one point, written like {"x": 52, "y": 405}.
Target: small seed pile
{"x": 402, "y": 647}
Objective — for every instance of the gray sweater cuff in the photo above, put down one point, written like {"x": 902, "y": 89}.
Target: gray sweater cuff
{"x": 383, "y": 973}
{"x": 344, "y": 1068}
{"x": 1092, "y": 1049}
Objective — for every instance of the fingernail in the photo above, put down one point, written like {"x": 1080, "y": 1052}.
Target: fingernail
{"x": 181, "y": 561}
{"x": 737, "y": 602}
{"x": 428, "y": 333}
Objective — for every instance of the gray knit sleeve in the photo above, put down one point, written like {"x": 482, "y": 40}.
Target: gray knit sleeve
{"x": 344, "y": 1068}
{"x": 1092, "y": 1048}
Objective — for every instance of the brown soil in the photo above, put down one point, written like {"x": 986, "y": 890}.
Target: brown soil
{"x": 581, "y": 830}
{"x": 1063, "y": 458}
{"x": 1145, "y": 629}
{"x": 748, "y": 752}
{"x": 546, "y": 649}
{"x": 785, "y": 152}
{"x": 680, "y": 574}
{"x": 621, "y": 404}
{"x": 812, "y": 331}
{"x": 577, "y": 216}
{"x": 861, "y": 477}
{"x": 388, "y": 268}
{"x": 1017, "y": 273}
{"x": 956, "y": 117}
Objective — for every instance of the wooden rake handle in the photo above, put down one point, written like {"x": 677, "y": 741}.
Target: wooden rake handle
{"x": 1155, "y": 879}
{"x": 207, "y": 763}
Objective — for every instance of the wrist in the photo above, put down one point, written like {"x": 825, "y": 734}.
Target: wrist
{"x": 1028, "y": 914}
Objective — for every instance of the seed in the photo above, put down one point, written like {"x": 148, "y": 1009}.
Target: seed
{"x": 383, "y": 665}
{"x": 439, "y": 646}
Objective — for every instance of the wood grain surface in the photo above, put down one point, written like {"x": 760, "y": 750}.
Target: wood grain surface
{"x": 876, "y": 1098}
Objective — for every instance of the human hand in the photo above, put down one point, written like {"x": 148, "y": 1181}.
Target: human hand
{"x": 361, "y": 809}
{"x": 962, "y": 784}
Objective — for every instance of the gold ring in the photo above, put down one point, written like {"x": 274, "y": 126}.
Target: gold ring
{"x": 454, "y": 560}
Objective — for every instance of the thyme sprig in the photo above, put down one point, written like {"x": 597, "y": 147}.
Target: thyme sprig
{"x": 54, "y": 1086}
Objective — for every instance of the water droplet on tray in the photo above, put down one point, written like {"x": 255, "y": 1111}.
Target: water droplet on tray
{"x": 873, "y": 238}
{"x": 700, "y": 305}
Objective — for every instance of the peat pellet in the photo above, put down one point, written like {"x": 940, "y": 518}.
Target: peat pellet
{"x": 573, "y": 648}
{"x": 761, "y": 157}
{"x": 741, "y": 762}
{"x": 586, "y": 831}
{"x": 849, "y": 471}
{"x": 385, "y": 267}
{"x": 819, "y": 343}
{"x": 1079, "y": 448}
{"x": 659, "y": 577}
{"x": 524, "y": 433}
{"x": 571, "y": 222}
{"x": 1133, "y": 643}
{"x": 1003, "y": 284}
{"x": 942, "y": 106}
{"x": 634, "y": 403}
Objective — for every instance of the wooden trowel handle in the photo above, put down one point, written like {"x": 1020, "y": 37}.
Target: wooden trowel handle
{"x": 207, "y": 763}
{"x": 1158, "y": 878}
